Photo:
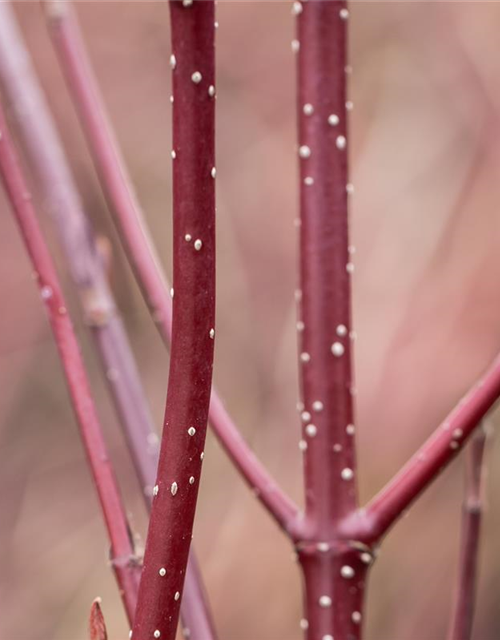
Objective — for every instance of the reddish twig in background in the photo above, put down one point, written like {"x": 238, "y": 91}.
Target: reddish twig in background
{"x": 463, "y": 607}
{"x": 193, "y": 333}
{"x": 97, "y": 626}
{"x": 139, "y": 250}
{"x": 122, "y": 553}
{"x": 46, "y": 156}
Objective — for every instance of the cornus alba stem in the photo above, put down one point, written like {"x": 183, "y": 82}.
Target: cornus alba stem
{"x": 334, "y": 569}
{"x": 463, "y": 607}
{"x": 139, "y": 249}
{"x": 190, "y": 378}
{"x": 122, "y": 553}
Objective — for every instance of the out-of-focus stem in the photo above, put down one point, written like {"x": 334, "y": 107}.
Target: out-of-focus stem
{"x": 139, "y": 249}
{"x": 46, "y": 158}
{"x": 122, "y": 553}
{"x": 191, "y": 362}
{"x": 463, "y": 607}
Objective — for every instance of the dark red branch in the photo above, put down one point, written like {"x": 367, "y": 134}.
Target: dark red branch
{"x": 463, "y": 607}
{"x": 140, "y": 250}
{"x": 122, "y": 553}
{"x": 190, "y": 378}
{"x": 325, "y": 266}
{"x": 334, "y": 570}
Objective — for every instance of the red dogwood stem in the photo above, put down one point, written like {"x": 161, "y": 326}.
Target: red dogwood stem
{"x": 463, "y": 607}
{"x": 139, "y": 249}
{"x": 122, "y": 553}
{"x": 448, "y": 439}
{"x": 325, "y": 268}
{"x": 191, "y": 362}
{"x": 334, "y": 570}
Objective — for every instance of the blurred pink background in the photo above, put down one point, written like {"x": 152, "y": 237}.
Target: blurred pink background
{"x": 425, "y": 150}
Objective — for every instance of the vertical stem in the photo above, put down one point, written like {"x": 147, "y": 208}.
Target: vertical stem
{"x": 190, "y": 378}
{"x": 334, "y": 589}
{"x": 324, "y": 265}
{"x": 334, "y": 573}
{"x": 463, "y": 607}
{"x": 122, "y": 554}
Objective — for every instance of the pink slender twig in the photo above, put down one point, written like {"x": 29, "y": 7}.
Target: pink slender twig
{"x": 334, "y": 569}
{"x": 46, "y": 156}
{"x": 463, "y": 607}
{"x": 122, "y": 554}
{"x": 140, "y": 250}
{"x": 388, "y": 505}
{"x": 191, "y": 362}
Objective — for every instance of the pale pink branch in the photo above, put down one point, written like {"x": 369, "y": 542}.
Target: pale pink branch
{"x": 123, "y": 561}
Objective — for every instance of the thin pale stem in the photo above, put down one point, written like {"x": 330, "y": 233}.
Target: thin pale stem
{"x": 464, "y": 602}
{"x": 140, "y": 251}
{"x": 325, "y": 268}
{"x": 191, "y": 362}
{"x": 123, "y": 560}
{"x": 448, "y": 439}
{"x": 46, "y": 157}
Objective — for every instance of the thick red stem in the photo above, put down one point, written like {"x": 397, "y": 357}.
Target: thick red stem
{"x": 122, "y": 554}
{"x": 334, "y": 588}
{"x": 325, "y": 271}
{"x": 190, "y": 378}
{"x": 334, "y": 570}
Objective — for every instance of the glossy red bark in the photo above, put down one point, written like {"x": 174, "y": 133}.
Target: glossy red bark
{"x": 190, "y": 377}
